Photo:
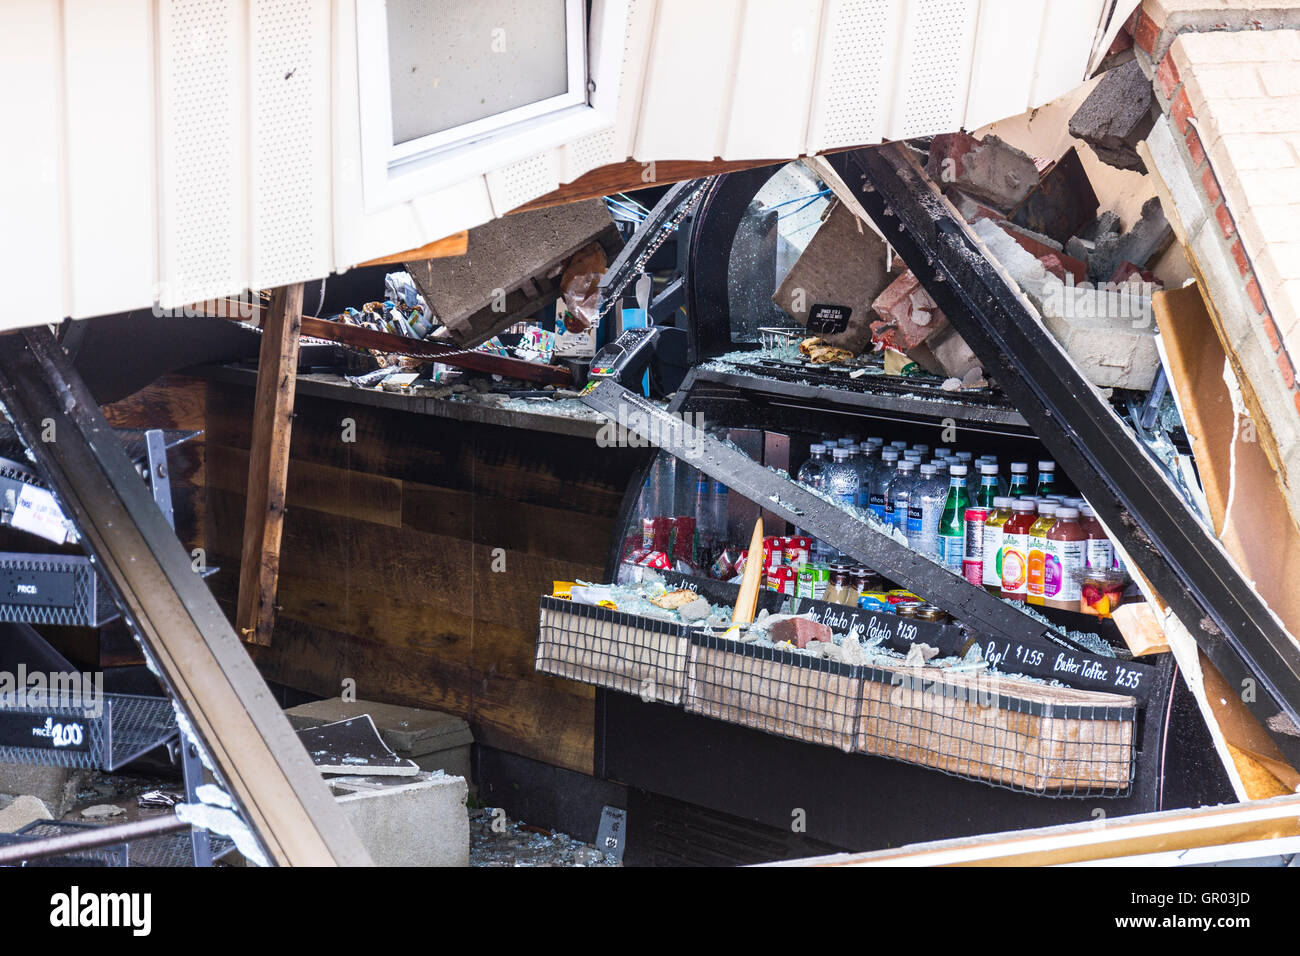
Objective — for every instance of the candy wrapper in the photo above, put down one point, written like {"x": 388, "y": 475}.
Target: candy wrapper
{"x": 580, "y": 287}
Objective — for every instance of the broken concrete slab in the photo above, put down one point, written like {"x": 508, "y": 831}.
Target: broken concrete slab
{"x": 408, "y": 821}
{"x": 56, "y": 787}
{"x": 1109, "y": 332}
{"x": 22, "y": 811}
{"x": 512, "y": 269}
{"x": 818, "y": 277}
{"x": 1149, "y": 237}
{"x": 1116, "y": 116}
{"x": 1062, "y": 202}
{"x": 989, "y": 169}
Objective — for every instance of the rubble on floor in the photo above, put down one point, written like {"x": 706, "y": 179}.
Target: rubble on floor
{"x": 496, "y": 840}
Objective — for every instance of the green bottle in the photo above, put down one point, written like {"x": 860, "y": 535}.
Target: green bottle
{"x": 988, "y": 489}
{"x": 952, "y": 521}
{"x": 1019, "y": 479}
{"x": 1046, "y": 478}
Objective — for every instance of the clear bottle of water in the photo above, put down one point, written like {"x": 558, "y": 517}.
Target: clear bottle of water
{"x": 868, "y": 461}
{"x": 812, "y": 474}
{"x": 899, "y": 494}
{"x": 703, "y": 510}
{"x": 924, "y": 509}
{"x": 842, "y": 479}
{"x": 879, "y": 497}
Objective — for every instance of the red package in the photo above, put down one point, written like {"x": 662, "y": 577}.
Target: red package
{"x": 657, "y": 560}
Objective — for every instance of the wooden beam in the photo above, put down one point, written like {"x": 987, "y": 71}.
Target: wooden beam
{"x": 268, "y": 469}
{"x": 454, "y": 245}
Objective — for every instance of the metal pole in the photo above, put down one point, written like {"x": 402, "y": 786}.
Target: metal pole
{"x": 88, "y": 839}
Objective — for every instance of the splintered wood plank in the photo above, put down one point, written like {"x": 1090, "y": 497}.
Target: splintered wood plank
{"x": 454, "y": 245}
{"x": 268, "y": 466}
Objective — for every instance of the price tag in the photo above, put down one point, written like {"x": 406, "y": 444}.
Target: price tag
{"x": 37, "y": 512}
{"x": 828, "y": 319}
{"x": 611, "y": 835}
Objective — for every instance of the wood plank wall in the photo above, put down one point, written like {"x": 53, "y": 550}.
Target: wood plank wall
{"x": 386, "y": 573}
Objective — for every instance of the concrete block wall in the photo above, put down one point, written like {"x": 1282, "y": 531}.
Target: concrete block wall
{"x": 1230, "y": 91}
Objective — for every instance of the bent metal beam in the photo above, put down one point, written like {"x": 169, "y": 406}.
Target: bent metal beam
{"x": 254, "y": 752}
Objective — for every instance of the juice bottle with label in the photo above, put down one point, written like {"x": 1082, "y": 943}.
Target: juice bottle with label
{"x": 952, "y": 522}
{"x": 1046, "y": 478}
{"x": 1019, "y": 479}
{"x": 1099, "y": 553}
{"x": 1015, "y": 549}
{"x": 1038, "y": 549}
{"x": 993, "y": 535}
{"x": 1067, "y": 543}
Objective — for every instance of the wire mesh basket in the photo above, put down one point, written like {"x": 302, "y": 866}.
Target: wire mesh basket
{"x": 608, "y": 648}
{"x": 783, "y": 340}
{"x": 1037, "y": 738}
{"x": 104, "y": 732}
{"x": 773, "y": 690}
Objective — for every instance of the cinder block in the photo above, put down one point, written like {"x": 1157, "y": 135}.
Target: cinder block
{"x": 434, "y": 740}
{"x": 1116, "y": 116}
{"x": 408, "y": 821}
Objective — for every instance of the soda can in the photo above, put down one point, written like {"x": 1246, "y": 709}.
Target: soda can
{"x": 973, "y": 571}
{"x": 974, "y": 548}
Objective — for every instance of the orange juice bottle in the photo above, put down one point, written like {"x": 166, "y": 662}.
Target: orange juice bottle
{"x": 1038, "y": 548}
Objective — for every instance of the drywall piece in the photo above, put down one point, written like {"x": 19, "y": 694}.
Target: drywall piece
{"x": 1116, "y": 116}
{"x": 818, "y": 276}
{"x": 512, "y": 268}
{"x": 408, "y": 821}
{"x": 353, "y": 746}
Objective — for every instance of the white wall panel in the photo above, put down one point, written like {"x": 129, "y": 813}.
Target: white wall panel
{"x": 204, "y": 149}
{"x": 857, "y": 62}
{"x": 111, "y": 154}
{"x": 930, "y": 90}
{"x": 772, "y": 87}
{"x": 290, "y": 129}
{"x": 688, "y": 80}
{"x": 1002, "y": 75}
{"x": 1064, "y": 47}
{"x": 33, "y": 257}
{"x": 513, "y": 185}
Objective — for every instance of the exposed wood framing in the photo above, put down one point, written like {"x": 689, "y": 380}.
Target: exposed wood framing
{"x": 268, "y": 467}
{"x": 256, "y": 755}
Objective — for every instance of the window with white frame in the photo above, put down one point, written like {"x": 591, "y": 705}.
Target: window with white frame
{"x": 449, "y": 86}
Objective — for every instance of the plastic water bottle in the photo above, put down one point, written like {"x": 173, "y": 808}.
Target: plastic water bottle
{"x": 922, "y": 448}
{"x": 812, "y": 474}
{"x": 879, "y": 492}
{"x": 703, "y": 508}
{"x": 842, "y": 479}
{"x": 988, "y": 489}
{"x": 868, "y": 461}
{"x": 899, "y": 493}
{"x": 924, "y": 507}
{"x": 1019, "y": 479}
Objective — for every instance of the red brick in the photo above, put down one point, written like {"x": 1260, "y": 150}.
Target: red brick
{"x": 1271, "y": 331}
{"x": 1239, "y": 256}
{"x": 1225, "y": 221}
{"x": 1181, "y": 110}
{"x": 1194, "y": 147}
{"x": 1256, "y": 297}
{"x": 1284, "y": 364}
{"x": 1146, "y": 33}
{"x": 799, "y": 631}
{"x": 1211, "y": 186}
{"x": 1167, "y": 76}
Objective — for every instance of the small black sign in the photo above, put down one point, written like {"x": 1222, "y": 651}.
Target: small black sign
{"x": 44, "y": 731}
{"x": 828, "y": 319}
{"x": 26, "y": 588}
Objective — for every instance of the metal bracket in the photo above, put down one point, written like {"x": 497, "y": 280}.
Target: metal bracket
{"x": 1184, "y": 563}
{"x": 785, "y": 498}
{"x": 160, "y": 483}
